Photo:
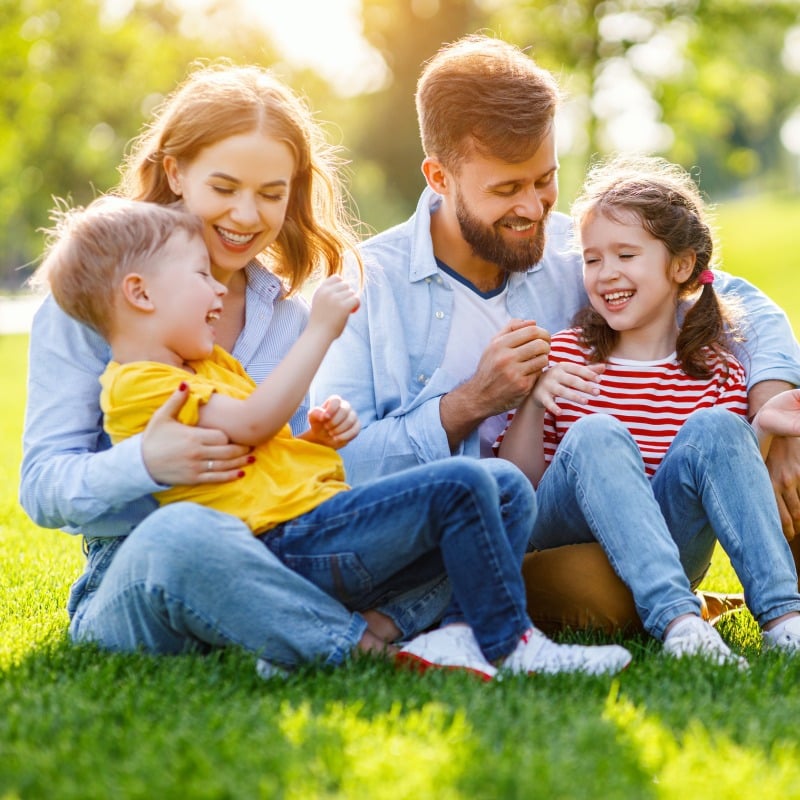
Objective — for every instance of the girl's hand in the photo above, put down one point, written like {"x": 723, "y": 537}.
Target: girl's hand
{"x": 780, "y": 415}
{"x": 332, "y": 303}
{"x": 178, "y": 454}
{"x": 574, "y": 382}
{"x": 333, "y": 424}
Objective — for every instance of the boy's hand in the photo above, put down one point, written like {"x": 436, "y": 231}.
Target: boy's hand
{"x": 573, "y": 382}
{"x": 333, "y": 424}
{"x": 332, "y": 303}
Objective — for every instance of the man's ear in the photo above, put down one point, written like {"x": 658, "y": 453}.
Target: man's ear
{"x": 134, "y": 290}
{"x": 683, "y": 266}
{"x": 436, "y": 175}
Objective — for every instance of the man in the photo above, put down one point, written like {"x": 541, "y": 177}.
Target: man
{"x": 458, "y": 301}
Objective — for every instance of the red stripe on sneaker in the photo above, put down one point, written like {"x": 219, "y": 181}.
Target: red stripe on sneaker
{"x": 414, "y": 662}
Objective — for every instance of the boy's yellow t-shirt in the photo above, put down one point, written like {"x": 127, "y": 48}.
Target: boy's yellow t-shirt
{"x": 289, "y": 477}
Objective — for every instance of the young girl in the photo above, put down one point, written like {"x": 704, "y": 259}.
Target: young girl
{"x": 635, "y": 435}
{"x": 146, "y": 585}
{"x": 139, "y": 274}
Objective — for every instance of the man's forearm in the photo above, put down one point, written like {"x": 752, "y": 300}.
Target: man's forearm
{"x": 460, "y": 415}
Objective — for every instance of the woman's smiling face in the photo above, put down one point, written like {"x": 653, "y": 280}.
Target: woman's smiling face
{"x": 240, "y": 188}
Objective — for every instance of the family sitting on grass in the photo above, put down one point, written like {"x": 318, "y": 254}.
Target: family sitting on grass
{"x": 230, "y": 513}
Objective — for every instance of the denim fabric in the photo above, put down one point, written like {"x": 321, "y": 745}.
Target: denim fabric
{"x": 469, "y": 518}
{"x": 660, "y": 533}
{"x": 387, "y": 362}
{"x": 191, "y": 578}
{"x": 174, "y": 578}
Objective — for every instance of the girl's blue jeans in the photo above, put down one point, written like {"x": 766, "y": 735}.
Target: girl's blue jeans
{"x": 465, "y": 518}
{"x": 189, "y": 577}
{"x": 659, "y": 533}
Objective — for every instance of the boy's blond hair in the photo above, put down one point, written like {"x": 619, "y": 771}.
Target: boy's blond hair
{"x": 91, "y": 249}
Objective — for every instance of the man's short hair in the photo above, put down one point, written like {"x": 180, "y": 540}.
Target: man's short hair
{"x": 483, "y": 94}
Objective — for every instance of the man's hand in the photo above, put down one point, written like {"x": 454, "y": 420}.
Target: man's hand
{"x": 783, "y": 464}
{"x": 783, "y": 457}
{"x": 506, "y": 373}
{"x": 178, "y": 454}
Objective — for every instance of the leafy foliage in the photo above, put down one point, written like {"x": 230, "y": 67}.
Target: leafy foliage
{"x": 77, "y": 85}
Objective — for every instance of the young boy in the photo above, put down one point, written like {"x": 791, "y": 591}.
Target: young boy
{"x": 139, "y": 274}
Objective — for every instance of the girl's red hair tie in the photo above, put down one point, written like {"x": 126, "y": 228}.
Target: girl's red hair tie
{"x": 706, "y": 276}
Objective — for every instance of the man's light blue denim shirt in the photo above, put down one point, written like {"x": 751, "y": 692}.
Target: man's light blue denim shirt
{"x": 387, "y": 361}
{"x": 71, "y": 477}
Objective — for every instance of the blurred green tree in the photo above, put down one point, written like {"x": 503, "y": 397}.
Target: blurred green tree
{"x": 77, "y": 84}
{"x": 383, "y": 135}
{"x": 704, "y": 82}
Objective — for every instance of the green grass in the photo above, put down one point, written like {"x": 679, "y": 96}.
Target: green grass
{"x": 79, "y": 723}
{"x": 758, "y": 239}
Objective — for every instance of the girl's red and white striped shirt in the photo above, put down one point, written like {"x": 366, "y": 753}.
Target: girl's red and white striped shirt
{"x": 651, "y": 398}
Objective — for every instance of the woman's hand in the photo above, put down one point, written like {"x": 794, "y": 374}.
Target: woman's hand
{"x": 333, "y": 424}
{"x": 178, "y": 454}
{"x": 573, "y": 382}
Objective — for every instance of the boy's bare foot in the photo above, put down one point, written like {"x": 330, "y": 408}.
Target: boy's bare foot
{"x": 381, "y": 626}
{"x": 370, "y": 643}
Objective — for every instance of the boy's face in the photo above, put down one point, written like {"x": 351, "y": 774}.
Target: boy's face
{"x": 186, "y": 299}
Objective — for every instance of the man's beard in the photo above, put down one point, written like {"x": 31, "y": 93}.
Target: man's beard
{"x": 487, "y": 241}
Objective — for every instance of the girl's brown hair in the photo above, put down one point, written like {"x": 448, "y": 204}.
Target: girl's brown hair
{"x": 666, "y": 201}
{"x": 221, "y": 100}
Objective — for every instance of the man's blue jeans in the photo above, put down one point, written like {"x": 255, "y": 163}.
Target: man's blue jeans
{"x": 659, "y": 533}
{"x": 467, "y": 518}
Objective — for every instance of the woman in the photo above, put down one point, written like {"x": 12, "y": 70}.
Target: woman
{"x": 160, "y": 580}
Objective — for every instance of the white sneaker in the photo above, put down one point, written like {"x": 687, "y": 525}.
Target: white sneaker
{"x": 266, "y": 670}
{"x": 784, "y": 636}
{"x": 693, "y": 636}
{"x": 450, "y": 647}
{"x": 536, "y": 653}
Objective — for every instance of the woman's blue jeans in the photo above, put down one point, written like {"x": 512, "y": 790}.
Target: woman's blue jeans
{"x": 467, "y": 518}
{"x": 659, "y": 533}
{"x": 191, "y": 578}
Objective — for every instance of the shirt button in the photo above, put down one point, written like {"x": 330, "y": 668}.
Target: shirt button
{"x": 439, "y": 315}
{"x": 421, "y": 378}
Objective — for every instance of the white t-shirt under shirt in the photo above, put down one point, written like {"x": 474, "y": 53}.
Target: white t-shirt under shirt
{"x": 477, "y": 318}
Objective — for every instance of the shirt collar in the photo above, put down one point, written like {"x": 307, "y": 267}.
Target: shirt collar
{"x": 262, "y": 281}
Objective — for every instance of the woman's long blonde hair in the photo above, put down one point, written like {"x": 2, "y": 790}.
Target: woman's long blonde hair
{"x": 221, "y": 100}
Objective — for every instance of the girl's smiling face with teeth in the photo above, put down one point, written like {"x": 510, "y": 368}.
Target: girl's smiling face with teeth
{"x": 240, "y": 188}
{"x": 629, "y": 277}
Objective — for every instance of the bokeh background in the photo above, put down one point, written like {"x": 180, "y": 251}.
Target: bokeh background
{"x": 711, "y": 84}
